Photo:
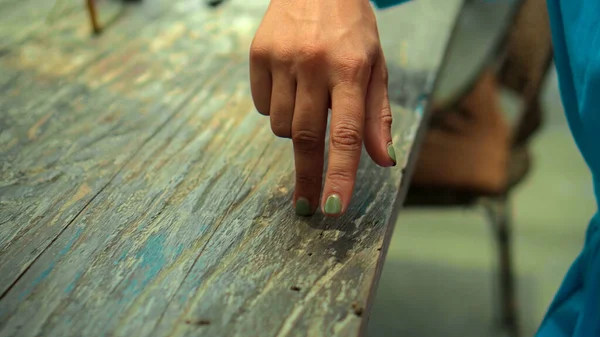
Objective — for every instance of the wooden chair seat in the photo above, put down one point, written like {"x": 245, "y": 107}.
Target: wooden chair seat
{"x": 518, "y": 169}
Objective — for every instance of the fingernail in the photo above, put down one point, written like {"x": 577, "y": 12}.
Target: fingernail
{"x": 392, "y": 153}
{"x": 303, "y": 207}
{"x": 333, "y": 205}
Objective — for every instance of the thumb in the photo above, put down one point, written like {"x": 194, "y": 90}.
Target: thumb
{"x": 378, "y": 117}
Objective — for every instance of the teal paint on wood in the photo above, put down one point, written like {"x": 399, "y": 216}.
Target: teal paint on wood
{"x": 151, "y": 262}
{"x": 102, "y": 115}
{"x": 48, "y": 270}
{"x": 73, "y": 283}
{"x": 128, "y": 206}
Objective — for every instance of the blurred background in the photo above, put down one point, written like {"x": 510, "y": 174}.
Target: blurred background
{"x": 441, "y": 275}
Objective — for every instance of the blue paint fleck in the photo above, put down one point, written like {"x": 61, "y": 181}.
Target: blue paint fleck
{"x": 48, "y": 270}
{"x": 179, "y": 250}
{"x": 153, "y": 260}
{"x": 121, "y": 258}
{"x": 73, "y": 283}
{"x": 131, "y": 289}
{"x": 35, "y": 282}
{"x": 69, "y": 245}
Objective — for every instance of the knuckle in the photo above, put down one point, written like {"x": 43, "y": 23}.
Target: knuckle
{"x": 260, "y": 102}
{"x": 312, "y": 53}
{"x": 261, "y": 107}
{"x": 306, "y": 141}
{"x": 258, "y": 54}
{"x": 355, "y": 65}
{"x": 305, "y": 180}
{"x": 339, "y": 175}
{"x": 280, "y": 130}
{"x": 281, "y": 133}
{"x": 282, "y": 54}
{"x": 386, "y": 117}
{"x": 358, "y": 61}
{"x": 262, "y": 110}
{"x": 346, "y": 136}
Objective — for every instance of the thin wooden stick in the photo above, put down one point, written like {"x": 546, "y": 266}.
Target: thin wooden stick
{"x": 91, "y": 5}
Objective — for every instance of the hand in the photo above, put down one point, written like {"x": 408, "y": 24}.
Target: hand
{"x": 307, "y": 56}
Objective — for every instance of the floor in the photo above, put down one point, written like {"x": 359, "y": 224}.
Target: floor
{"x": 439, "y": 275}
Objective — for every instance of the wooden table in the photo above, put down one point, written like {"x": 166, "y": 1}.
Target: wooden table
{"x": 142, "y": 195}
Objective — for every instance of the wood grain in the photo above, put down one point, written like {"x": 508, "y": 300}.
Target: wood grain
{"x": 141, "y": 194}
{"x": 21, "y": 20}
{"x": 75, "y": 111}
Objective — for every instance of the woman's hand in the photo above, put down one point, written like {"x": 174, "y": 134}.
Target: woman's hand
{"x": 307, "y": 56}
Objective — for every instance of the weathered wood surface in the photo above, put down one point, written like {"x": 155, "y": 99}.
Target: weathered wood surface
{"x": 22, "y": 19}
{"x": 73, "y": 114}
{"x": 142, "y": 195}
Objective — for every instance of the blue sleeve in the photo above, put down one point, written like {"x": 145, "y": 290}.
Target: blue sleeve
{"x": 381, "y": 4}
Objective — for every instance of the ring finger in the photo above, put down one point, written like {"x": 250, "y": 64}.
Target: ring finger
{"x": 283, "y": 97}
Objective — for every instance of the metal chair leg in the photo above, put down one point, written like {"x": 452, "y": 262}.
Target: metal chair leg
{"x": 500, "y": 216}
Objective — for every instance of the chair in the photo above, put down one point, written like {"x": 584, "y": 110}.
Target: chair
{"x": 524, "y": 55}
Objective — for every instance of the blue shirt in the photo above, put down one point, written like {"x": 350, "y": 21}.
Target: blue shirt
{"x": 575, "y": 310}
{"x": 575, "y": 25}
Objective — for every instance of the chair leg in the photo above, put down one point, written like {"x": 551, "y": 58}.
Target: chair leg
{"x": 500, "y": 216}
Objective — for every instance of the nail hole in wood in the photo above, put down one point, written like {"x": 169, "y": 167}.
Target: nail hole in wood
{"x": 358, "y": 310}
{"x": 310, "y": 254}
{"x": 214, "y": 3}
{"x": 198, "y": 322}
{"x": 294, "y": 288}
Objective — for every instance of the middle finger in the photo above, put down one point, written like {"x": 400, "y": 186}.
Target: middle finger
{"x": 347, "y": 119}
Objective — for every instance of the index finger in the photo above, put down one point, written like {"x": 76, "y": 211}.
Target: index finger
{"x": 345, "y": 145}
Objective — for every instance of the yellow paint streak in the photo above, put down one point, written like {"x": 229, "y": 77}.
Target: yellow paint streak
{"x": 9, "y": 145}
{"x": 49, "y": 61}
{"x": 166, "y": 40}
{"x": 143, "y": 78}
{"x": 81, "y": 192}
{"x": 194, "y": 35}
{"x": 33, "y": 131}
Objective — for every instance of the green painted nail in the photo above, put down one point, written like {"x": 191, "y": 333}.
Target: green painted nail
{"x": 303, "y": 207}
{"x": 333, "y": 205}
{"x": 392, "y": 153}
